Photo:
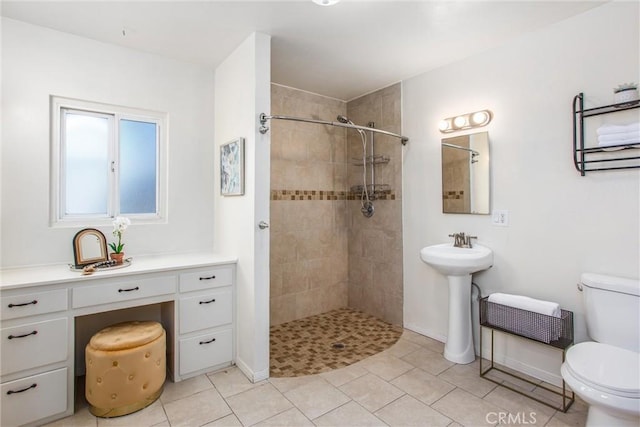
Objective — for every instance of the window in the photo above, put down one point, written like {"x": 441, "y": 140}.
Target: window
{"x": 107, "y": 161}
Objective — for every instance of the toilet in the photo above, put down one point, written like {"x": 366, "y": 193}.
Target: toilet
{"x": 605, "y": 372}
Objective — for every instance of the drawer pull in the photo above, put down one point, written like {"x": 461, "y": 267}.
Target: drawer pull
{"x": 207, "y": 342}
{"x": 34, "y": 302}
{"x": 208, "y": 278}
{"x": 22, "y": 336}
{"x": 34, "y": 385}
{"x": 129, "y": 290}
{"x": 207, "y": 302}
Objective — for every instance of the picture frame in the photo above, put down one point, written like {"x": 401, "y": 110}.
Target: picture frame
{"x": 232, "y": 168}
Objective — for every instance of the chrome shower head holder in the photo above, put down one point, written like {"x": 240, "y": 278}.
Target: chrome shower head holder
{"x": 367, "y": 208}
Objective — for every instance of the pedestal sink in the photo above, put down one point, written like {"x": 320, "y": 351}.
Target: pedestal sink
{"x": 458, "y": 264}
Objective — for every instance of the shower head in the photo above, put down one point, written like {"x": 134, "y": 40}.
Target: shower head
{"x": 344, "y": 119}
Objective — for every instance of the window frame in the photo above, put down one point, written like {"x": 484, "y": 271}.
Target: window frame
{"x": 114, "y": 113}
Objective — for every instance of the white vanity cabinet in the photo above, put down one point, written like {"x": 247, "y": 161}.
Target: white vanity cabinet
{"x": 206, "y": 319}
{"x": 124, "y": 291}
{"x": 194, "y": 296}
{"x": 35, "y": 398}
{"x": 34, "y": 355}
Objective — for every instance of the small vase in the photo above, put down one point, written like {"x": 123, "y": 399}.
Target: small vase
{"x": 118, "y": 258}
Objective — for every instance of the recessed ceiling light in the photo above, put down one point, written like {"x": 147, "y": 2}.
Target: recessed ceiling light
{"x": 326, "y": 2}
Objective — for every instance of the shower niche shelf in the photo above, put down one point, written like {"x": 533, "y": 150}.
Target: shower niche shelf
{"x": 591, "y": 159}
{"x": 375, "y": 191}
{"x": 371, "y": 160}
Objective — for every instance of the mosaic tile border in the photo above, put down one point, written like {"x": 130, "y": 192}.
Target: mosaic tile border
{"x": 450, "y": 195}
{"x": 326, "y": 195}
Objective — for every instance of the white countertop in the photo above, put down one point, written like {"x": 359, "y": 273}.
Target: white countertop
{"x": 12, "y": 278}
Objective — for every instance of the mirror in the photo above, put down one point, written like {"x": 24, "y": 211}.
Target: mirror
{"x": 465, "y": 174}
{"x": 89, "y": 247}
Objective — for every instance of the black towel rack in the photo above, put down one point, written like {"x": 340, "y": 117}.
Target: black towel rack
{"x": 586, "y": 159}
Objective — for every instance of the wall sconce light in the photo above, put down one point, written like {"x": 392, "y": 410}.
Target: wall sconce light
{"x": 465, "y": 121}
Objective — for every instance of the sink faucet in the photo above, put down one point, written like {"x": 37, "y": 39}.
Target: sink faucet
{"x": 460, "y": 240}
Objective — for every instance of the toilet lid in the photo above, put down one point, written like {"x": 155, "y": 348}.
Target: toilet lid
{"x": 605, "y": 367}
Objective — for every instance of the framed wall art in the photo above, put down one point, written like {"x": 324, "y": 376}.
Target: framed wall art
{"x": 232, "y": 168}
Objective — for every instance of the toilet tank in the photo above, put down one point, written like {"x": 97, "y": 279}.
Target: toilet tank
{"x": 612, "y": 310}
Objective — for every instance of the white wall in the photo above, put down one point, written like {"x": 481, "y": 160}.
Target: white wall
{"x": 242, "y": 87}
{"x": 38, "y": 62}
{"x": 561, "y": 224}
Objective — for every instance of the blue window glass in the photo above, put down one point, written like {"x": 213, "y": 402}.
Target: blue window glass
{"x": 138, "y": 167}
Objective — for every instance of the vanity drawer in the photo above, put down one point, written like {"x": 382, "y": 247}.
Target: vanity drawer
{"x": 31, "y": 304}
{"x": 33, "y": 344}
{"x": 123, "y": 291}
{"x": 205, "y": 311}
{"x": 34, "y": 398}
{"x": 206, "y": 279}
{"x": 205, "y": 351}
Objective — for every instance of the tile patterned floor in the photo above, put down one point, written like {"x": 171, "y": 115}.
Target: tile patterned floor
{"x": 328, "y": 341}
{"x": 409, "y": 384}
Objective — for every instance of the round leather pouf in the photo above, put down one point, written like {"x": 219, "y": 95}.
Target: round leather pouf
{"x": 126, "y": 368}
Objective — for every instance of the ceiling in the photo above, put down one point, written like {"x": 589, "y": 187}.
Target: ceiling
{"x": 343, "y": 51}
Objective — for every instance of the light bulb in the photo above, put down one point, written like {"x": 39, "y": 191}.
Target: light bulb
{"x": 460, "y": 121}
{"x": 479, "y": 118}
{"x": 444, "y": 125}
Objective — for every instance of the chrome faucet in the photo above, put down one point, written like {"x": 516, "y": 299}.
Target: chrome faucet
{"x": 458, "y": 239}
{"x": 461, "y": 240}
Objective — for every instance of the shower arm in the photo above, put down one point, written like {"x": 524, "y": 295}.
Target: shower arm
{"x": 474, "y": 152}
{"x": 263, "y": 128}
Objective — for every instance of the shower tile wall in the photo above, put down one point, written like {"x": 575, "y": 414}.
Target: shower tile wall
{"x": 375, "y": 244}
{"x": 309, "y": 253}
{"x": 324, "y": 253}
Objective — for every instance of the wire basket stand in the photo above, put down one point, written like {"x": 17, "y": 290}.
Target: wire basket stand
{"x": 552, "y": 331}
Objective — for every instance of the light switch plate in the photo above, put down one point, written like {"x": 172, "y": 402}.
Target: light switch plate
{"x": 500, "y": 218}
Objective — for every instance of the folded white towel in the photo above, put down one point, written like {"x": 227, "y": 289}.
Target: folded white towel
{"x": 619, "y": 142}
{"x": 612, "y": 129}
{"x": 525, "y": 303}
{"x": 619, "y": 136}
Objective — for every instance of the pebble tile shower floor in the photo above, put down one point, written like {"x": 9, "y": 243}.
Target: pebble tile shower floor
{"x": 327, "y": 341}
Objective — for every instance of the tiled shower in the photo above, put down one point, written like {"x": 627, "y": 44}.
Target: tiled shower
{"x": 324, "y": 253}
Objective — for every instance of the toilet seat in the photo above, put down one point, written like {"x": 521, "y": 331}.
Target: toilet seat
{"x": 606, "y": 368}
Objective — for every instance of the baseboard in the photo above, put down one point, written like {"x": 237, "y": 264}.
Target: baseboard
{"x": 500, "y": 358}
{"x": 254, "y": 377}
{"x": 261, "y": 375}
{"x": 421, "y": 331}
{"x": 533, "y": 371}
